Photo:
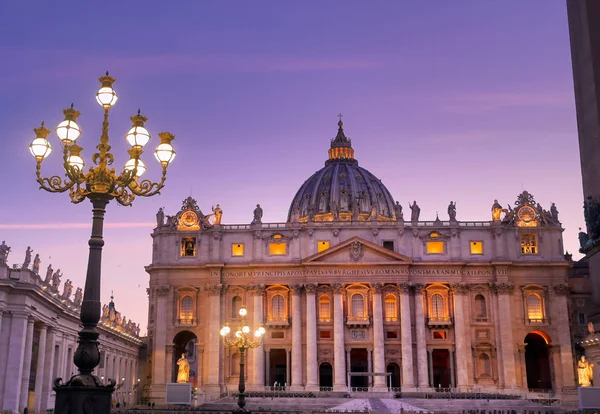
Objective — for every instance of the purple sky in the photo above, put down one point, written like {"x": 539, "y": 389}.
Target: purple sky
{"x": 461, "y": 100}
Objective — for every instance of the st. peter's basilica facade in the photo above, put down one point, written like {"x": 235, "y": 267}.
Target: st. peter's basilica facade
{"x": 348, "y": 285}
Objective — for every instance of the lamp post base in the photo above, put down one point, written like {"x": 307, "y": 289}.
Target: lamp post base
{"x": 83, "y": 394}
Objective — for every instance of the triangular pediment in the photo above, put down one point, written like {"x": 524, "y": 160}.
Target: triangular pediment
{"x": 357, "y": 251}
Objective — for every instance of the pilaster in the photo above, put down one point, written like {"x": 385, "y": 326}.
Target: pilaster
{"x": 14, "y": 369}
{"x": 462, "y": 351}
{"x": 40, "y": 368}
{"x": 26, "y": 365}
{"x": 312, "y": 379}
{"x": 422, "y": 372}
{"x": 408, "y": 383}
{"x": 378, "y": 344}
{"x": 297, "y": 369}
{"x": 339, "y": 377}
{"x": 504, "y": 291}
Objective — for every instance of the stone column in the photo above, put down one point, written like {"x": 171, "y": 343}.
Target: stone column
{"x": 169, "y": 350}
{"x": 160, "y": 341}
{"x": 288, "y": 354}
{"x": 200, "y": 359}
{"x": 339, "y": 376}
{"x": 378, "y": 344}
{"x": 258, "y": 353}
{"x": 504, "y": 291}
{"x": 348, "y": 365}
{"x": 430, "y": 359}
{"x": 422, "y": 372}
{"x": 523, "y": 365}
{"x": 406, "y": 335}
{"x": 40, "y": 368}
{"x": 452, "y": 370}
{"x": 214, "y": 339}
{"x": 268, "y": 367}
{"x": 462, "y": 348}
{"x": 564, "y": 357}
{"x": 312, "y": 378}
{"x": 296, "y": 339}
{"x": 48, "y": 370}
{"x": 26, "y": 366}
{"x": 370, "y": 366}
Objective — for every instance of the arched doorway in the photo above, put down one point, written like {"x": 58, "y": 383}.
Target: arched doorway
{"x": 325, "y": 375}
{"x": 537, "y": 362}
{"x": 185, "y": 343}
{"x": 393, "y": 369}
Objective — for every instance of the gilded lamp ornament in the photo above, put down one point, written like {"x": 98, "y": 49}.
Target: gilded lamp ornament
{"x": 100, "y": 184}
{"x": 100, "y": 179}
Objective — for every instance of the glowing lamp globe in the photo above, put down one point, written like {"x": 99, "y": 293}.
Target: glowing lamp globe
{"x": 106, "y": 97}
{"x": 165, "y": 154}
{"x": 76, "y": 161}
{"x": 141, "y": 167}
{"x": 138, "y": 136}
{"x": 238, "y": 334}
{"x": 68, "y": 131}
{"x": 261, "y": 330}
{"x": 226, "y": 329}
{"x": 243, "y": 312}
{"x": 222, "y": 332}
{"x": 257, "y": 333}
{"x": 246, "y": 329}
{"x": 40, "y": 148}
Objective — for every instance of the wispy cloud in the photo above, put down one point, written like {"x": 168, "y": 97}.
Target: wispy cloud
{"x": 70, "y": 226}
{"x": 499, "y": 100}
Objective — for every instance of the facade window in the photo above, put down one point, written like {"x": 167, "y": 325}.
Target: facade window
{"x": 324, "y": 308}
{"x": 485, "y": 365}
{"x": 277, "y": 308}
{"x": 186, "y": 313}
{"x": 535, "y": 309}
{"x": 392, "y": 334}
{"x": 322, "y": 245}
{"x": 437, "y": 306}
{"x": 435, "y": 247}
{"x": 237, "y": 249}
{"x": 440, "y": 334}
{"x": 277, "y": 335}
{"x": 236, "y": 305}
{"x": 388, "y": 244}
{"x": 358, "y": 306}
{"x": 476, "y": 247}
{"x": 581, "y": 318}
{"x": 277, "y": 249}
{"x": 188, "y": 246}
{"x": 390, "y": 308}
{"x": 529, "y": 244}
{"x": 324, "y": 334}
{"x": 480, "y": 309}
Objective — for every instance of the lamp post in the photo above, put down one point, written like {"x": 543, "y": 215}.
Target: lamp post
{"x": 242, "y": 341}
{"x": 99, "y": 184}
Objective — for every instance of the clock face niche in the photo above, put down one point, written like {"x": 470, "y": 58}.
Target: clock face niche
{"x": 189, "y": 221}
{"x": 527, "y": 216}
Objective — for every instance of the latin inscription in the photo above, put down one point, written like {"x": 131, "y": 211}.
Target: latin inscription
{"x": 356, "y": 272}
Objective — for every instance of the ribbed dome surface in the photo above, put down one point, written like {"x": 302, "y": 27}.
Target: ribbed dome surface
{"x": 342, "y": 190}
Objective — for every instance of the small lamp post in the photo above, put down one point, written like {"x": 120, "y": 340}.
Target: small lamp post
{"x": 242, "y": 341}
{"x": 99, "y": 184}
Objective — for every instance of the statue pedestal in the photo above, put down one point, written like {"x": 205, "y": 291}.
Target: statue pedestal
{"x": 589, "y": 397}
{"x": 179, "y": 393}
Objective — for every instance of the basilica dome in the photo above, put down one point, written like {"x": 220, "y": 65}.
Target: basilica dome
{"x": 342, "y": 190}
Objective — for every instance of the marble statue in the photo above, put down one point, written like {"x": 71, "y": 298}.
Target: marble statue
{"x": 496, "y": 211}
{"x": 27, "y": 257}
{"x": 452, "y": 211}
{"x": 335, "y": 210}
{"x": 373, "y": 214}
{"x": 585, "y": 372}
{"x": 105, "y": 311}
{"x": 67, "y": 289}
{"x": 4, "y": 251}
{"x": 554, "y": 213}
{"x": 160, "y": 218}
{"x": 218, "y": 214}
{"x": 36, "y": 264}
{"x": 258, "y": 213}
{"x": 78, "y": 296}
{"x": 591, "y": 328}
{"x": 398, "y": 211}
{"x": 49, "y": 271}
{"x": 415, "y": 211}
{"x": 171, "y": 222}
{"x": 539, "y": 210}
{"x": 56, "y": 279}
{"x": 183, "y": 372}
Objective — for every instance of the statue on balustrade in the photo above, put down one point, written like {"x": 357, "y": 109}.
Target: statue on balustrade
{"x": 49, "y": 271}
{"x": 67, "y": 289}
{"x": 452, "y": 211}
{"x": 258, "y": 213}
{"x": 554, "y": 213}
{"x": 218, "y": 214}
{"x": 585, "y": 372}
{"x": 4, "y": 251}
{"x": 36, "y": 264}
{"x": 183, "y": 372}
{"x": 496, "y": 211}
{"x": 56, "y": 279}
{"x": 398, "y": 211}
{"x": 160, "y": 218}
{"x": 415, "y": 211}
{"x": 78, "y": 296}
{"x": 27, "y": 258}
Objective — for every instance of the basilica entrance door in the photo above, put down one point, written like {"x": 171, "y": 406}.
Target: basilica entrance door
{"x": 537, "y": 362}
{"x": 394, "y": 369}
{"x": 359, "y": 362}
{"x": 441, "y": 368}
{"x": 278, "y": 366}
{"x": 325, "y": 375}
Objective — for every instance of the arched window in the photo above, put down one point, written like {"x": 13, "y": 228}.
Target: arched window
{"x": 480, "y": 309}
{"x": 535, "y": 311}
{"x": 485, "y": 366}
{"x": 390, "y": 308}
{"x": 324, "y": 308}
{"x": 277, "y": 307}
{"x": 437, "y": 306}
{"x": 186, "y": 313}
{"x": 236, "y": 305}
{"x": 358, "y": 306}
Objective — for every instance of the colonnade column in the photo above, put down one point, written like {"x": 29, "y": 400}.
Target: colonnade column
{"x": 339, "y": 383}
{"x": 297, "y": 370}
{"x": 48, "y": 369}
{"x": 564, "y": 359}
{"x": 26, "y": 366}
{"x": 160, "y": 341}
{"x": 422, "y": 372}
{"x": 214, "y": 340}
{"x": 40, "y": 368}
{"x": 378, "y": 345}
{"x": 288, "y": 354}
{"x": 430, "y": 359}
{"x": 504, "y": 291}
{"x": 258, "y": 353}
{"x": 370, "y": 366}
{"x": 406, "y": 335}
{"x": 312, "y": 383}
{"x": 459, "y": 335}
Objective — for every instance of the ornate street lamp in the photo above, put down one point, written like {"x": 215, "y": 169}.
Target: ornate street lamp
{"x": 242, "y": 341}
{"x": 99, "y": 184}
